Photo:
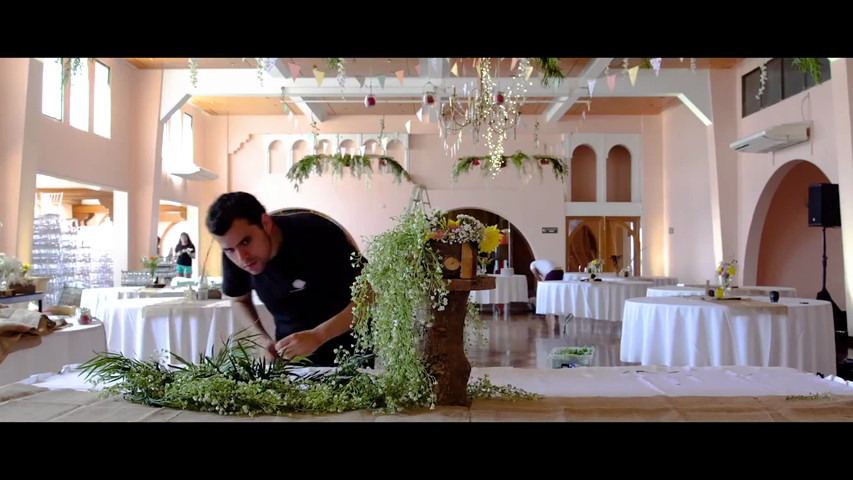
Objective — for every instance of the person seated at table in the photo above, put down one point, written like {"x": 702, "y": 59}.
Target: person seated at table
{"x": 185, "y": 250}
{"x": 300, "y": 267}
{"x": 543, "y": 270}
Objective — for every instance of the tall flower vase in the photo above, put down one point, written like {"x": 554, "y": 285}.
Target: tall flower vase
{"x": 726, "y": 282}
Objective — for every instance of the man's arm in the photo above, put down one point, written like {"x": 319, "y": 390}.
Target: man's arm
{"x": 306, "y": 342}
{"x": 253, "y": 321}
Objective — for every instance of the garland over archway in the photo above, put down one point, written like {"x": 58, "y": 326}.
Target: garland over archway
{"x": 521, "y": 160}
{"x": 358, "y": 165}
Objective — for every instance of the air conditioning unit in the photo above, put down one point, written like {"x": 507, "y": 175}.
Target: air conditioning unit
{"x": 194, "y": 172}
{"x": 774, "y": 138}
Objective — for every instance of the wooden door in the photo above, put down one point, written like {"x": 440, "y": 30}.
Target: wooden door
{"x": 614, "y": 240}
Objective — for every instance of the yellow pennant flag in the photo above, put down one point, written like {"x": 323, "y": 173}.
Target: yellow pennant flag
{"x": 319, "y": 76}
{"x": 454, "y": 70}
{"x": 632, "y": 74}
{"x": 528, "y": 73}
{"x": 400, "y": 74}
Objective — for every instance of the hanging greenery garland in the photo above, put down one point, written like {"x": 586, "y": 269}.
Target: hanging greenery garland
{"x": 522, "y": 162}
{"x": 358, "y": 165}
{"x": 808, "y": 65}
{"x": 550, "y": 69}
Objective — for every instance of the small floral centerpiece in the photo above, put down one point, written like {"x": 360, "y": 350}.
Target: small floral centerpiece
{"x": 594, "y": 268}
{"x": 13, "y": 273}
{"x": 725, "y": 271}
{"x": 464, "y": 232}
{"x": 150, "y": 264}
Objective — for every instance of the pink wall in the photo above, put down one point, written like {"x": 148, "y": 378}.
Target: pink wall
{"x": 791, "y": 251}
{"x": 686, "y": 188}
{"x": 618, "y": 175}
{"x": 653, "y": 221}
{"x": 13, "y": 95}
{"x": 582, "y": 168}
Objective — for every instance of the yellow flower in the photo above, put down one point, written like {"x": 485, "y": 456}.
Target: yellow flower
{"x": 730, "y": 270}
{"x": 718, "y": 292}
{"x": 491, "y": 240}
{"x": 453, "y": 224}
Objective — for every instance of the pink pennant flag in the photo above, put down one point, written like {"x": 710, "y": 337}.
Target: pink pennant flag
{"x": 611, "y": 82}
{"x": 418, "y": 68}
{"x": 400, "y": 74}
{"x": 381, "y": 79}
{"x": 512, "y": 65}
{"x": 294, "y": 70}
{"x": 464, "y": 70}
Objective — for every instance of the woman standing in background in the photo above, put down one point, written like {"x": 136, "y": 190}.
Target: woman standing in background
{"x": 185, "y": 250}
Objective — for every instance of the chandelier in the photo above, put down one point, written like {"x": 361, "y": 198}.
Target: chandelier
{"x": 488, "y": 110}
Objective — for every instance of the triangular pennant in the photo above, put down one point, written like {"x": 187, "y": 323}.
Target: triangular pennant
{"x": 381, "y": 79}
{"x": 591, "y": 83}
{"x": 454, "y": 70}
{"x": 418, "y": 68}
{"x": 464, "y": 70}
{"x": 632, "y": 74}
{"x": 408, "y": 126}
{"x": 512, "y": 64}
{"x": 400, "y": 74}
{"x": 656, "y": 65}
{"x": 360, "y": 80}
{"x": 528, "y": 73}
{"x": 611, "y": 82}
{"x": 290, "y": 115}
{"x": 319, "y": 76}
{"x": 434, "y": 63}
{"x": 420, "y": 114}
{"x": 361, "y": 149}
{"x": 583, "y": 114}
{"x": 294, "y": 70}
{"x": 681, "y": 59}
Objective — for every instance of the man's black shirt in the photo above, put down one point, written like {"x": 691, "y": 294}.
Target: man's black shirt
{"x": 306, "y": 283}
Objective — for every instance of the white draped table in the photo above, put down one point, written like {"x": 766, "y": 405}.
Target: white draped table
{"x": 679, "y": 331}
{"x": 601, "y": 300}
{"x": 752, "y": 290}
{"x": 96, "y": 299}
{"x": 72, "y": 344}
{"x": 611, "y": 277}
{"x": 508, "y": 288}
{"x": 140, "y": 327}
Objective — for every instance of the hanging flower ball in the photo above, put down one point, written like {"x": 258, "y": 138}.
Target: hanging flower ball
{"x": 369, "y": 100}
{"x": 543, "y": 161}
{"x": 475, "y": 162}
{"x": 381, "y": 163}
{"x": 429, "y": 99}
{"x": 499, "y": 98}
{"x": 503, "y": 163}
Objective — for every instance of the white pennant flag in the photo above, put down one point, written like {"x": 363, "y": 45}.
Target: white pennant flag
{"x": 591, "y": 83}
{"x": 408, "y": 126}
{"x": 361, "y": 149}
{"x": 420, "y": 114}
{"x": 381, "y": 79}
{"x": 290, "y": 115}
{"x": 656, "y": 65}
{"x": 434, "y": 63}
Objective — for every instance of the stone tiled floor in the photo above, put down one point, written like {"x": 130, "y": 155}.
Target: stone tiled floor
{"x": 524, "y": 339}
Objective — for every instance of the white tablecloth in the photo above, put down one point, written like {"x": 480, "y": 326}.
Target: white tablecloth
{"x": 685, "y": 291}
{"x": 679, "y": 331}
{"x": 72, "y": 344}
{"x": 140, "y": 327}
{"x": 508, "y": 288}
{"x": 96, "y": 299}
{"x": 611, "y": 277}
{"x": 579, "y": 275}
{"x": 601, "y": 300}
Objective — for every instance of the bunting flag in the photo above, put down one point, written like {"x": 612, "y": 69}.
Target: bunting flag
{"x": 290, "y": 115}
{"x": 512, "y": 64}
{"x": 656, "y": 65}
{"x": 583, "y": 114}
{"x": 454, "y": 70}
{"x": 591, "y": 83}
{"x": 434, "y": 63}
{"x": 611, "y": 82}
{"x": 408, "y": 126}
{"x": 464, "y": 70}
{"x": 528, "y": 72}
{"x": 294, "y": 70}
{"x": 632, "y": 74}
{"x": 400, "y": 74}
{"x": 319, "y": 76}
{"x": 681, "y": 59}
{"x": 420, "y": 114}
{"x": 418, "y": 68}
{"x": 381, "y": 79}
{"x": 361, "y": 149}
{"x": 360, "y": 80}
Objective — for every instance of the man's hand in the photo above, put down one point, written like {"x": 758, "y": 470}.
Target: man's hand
{"x": 299, "y": 344}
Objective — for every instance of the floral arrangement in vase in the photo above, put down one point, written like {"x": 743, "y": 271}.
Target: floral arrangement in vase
{"x": 13, "y": 273}
{"x": 594, "y": 268}
{"x": 725, "y": 271}
{"x": 465, "y": 231}
{"x": 150, "y": 264}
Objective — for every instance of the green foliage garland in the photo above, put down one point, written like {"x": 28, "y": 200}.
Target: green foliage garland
{"x": 808, "y": 65}
{"x": 522, "y": 162}
{"x": 550, "y": 68}
{"x": 358, "y": 165}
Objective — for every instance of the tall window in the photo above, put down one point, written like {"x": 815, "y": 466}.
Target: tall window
{"x": 51, "y": 88}
{"x": 177, "y": 149}
{"x": 187, "y": 140}
{"x": 80, "y": 96}
{"x": 102, "y": 114}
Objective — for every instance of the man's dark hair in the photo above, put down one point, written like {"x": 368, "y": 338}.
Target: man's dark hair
{"x": 231, "y": 206}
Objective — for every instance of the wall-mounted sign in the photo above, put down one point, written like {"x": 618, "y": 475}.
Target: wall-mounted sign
{"x": 549, "y": 229}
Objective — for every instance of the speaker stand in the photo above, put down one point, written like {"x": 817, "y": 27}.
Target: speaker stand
{"x": 839, "y": 317}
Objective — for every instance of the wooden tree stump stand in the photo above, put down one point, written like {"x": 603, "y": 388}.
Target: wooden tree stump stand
{"x": 443, "y": 347}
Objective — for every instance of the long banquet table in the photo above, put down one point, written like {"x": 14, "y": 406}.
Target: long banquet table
{"x": 694, "y": 290}
{"x": 96, "y": 299}
{"x": 636, "y": 394}
{"x": 678, "y": 331}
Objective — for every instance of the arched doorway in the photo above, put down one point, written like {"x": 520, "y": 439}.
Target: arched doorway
{"x": 782, "y": 249}
{"x": 614, "y": 240}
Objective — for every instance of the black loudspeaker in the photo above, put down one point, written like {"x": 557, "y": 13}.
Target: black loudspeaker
{"x": 824, "y": 208}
